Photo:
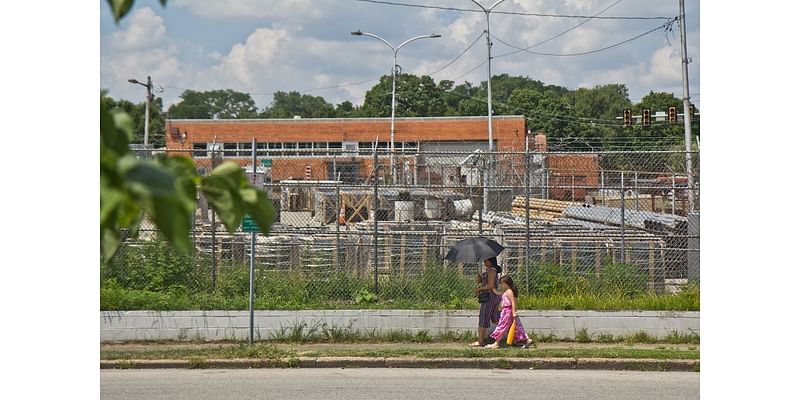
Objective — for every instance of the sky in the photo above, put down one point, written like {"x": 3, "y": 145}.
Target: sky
{"x": 260, "y": 47}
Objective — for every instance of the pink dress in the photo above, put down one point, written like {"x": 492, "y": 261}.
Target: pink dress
{"x": 505, "y": 324}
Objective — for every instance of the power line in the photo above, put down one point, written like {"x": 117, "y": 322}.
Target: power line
{"x": 510, "y": 12}
{"x": 458, "y": 56}
{"x": 662, "y": 26}
{"x": 562, "y": 33}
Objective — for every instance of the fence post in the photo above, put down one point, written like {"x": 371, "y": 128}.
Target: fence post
{"x": 674, "y": 193}
{"x": 622, "y": 214}
{"x": 603, "y": 186}
{"x": 214, "y": 159}
{"x": 252, "y": 255}
{"x": 636, "y": 188}
{"x": 527, "y": 213}
{"x": 375, "y": 211}
{"x": 336, "y": 212}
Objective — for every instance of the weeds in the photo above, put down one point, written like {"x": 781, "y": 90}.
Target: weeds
{"x": 151, "y": 276}
{"x": 582, "y": 336}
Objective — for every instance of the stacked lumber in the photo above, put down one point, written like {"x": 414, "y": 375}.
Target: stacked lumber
{"x": 543, "y": 209}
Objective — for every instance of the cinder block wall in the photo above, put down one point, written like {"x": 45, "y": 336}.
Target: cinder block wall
{"x": 234, "y": 325}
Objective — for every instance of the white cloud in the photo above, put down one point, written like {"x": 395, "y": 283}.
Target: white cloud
{"x": 145, "y": 30}
{"x": 665, "y": 67}
{"x": 246, "y": 61}
{"x": 139, "y": 50}
{"x": 293, "y": 9}
{"x": 303, "y": 44}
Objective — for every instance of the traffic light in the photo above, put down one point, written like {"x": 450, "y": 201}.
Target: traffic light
{"x": 691, "y": 112}
{"x": 673, "y": 114}
{"x": 645, "y": 117}
{"x": 626, "y": 117}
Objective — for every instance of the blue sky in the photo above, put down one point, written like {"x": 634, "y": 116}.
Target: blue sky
{"x": 261, "y": 47}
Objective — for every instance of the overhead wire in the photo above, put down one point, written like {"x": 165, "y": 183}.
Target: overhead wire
{"x": 564, "y": 32}
{"x": 531, "y": 14}
{"x": 457, "y": 57}
{"x": 662, "y": 26}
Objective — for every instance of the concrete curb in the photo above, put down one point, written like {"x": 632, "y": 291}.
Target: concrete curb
{"x": 611, "y": 364}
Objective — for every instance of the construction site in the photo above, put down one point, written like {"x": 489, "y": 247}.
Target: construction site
{"x": 573, "y": 213}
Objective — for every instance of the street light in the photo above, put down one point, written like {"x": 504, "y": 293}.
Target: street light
{"x": 149, "y": 87}
{"x": 394, "y": 79}
{"x": 489, "y": 87}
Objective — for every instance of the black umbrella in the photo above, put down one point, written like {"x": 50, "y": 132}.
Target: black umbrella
{"x": 473, "y": 250}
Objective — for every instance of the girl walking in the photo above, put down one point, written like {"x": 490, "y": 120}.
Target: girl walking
{"x": 509, "y": 315}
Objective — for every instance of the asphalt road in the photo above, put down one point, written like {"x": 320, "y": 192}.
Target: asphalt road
{"x": 384, "y": 383}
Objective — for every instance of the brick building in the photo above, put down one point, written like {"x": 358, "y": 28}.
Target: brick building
{"x": 303, "y": 148}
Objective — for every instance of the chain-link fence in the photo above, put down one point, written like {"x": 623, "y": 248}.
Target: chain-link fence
{"x": 366, "y": 225}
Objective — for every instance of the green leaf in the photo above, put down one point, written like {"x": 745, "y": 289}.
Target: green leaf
{"x": 115, "y": 132}
{"x": 109, "y": 242}
{"x": 259, "y": 206}
{"x": 173, "y": 222}
{"x": 223, "y": 195}
{"x": 146, "y": 178}
{"x": 120, "y": 7}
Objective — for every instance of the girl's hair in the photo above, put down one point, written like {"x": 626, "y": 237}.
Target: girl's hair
{"x": 510, "y": 282}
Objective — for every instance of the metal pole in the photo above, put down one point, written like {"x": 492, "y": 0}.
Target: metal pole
{"x": 573, "y": 185}
{"x": 391, "y": 132}
{"x": 489, "y": 97}
{"x": 603, "y": 186}
{"x": 687, "y": 118}
{"x": 636, "y": 188}
{"x": 252, "y": 256}
{"x": 375, "y": 212}
{"x": 213, "y": 226}
{"x": 488, "y": 172}
{"x": 527, "y": 214}
{"x": 147, "y": 112}
{"x": 338, "y": 210}
{"x": 673, "y": 193}
{"x": 622, "y": 214}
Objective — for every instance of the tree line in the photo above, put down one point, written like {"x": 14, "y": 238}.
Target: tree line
{"x": 581, "y": 119}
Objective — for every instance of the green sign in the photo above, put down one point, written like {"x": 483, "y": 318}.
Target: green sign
{"x": 266, "y": 162}
{"x": 249, "y": 224}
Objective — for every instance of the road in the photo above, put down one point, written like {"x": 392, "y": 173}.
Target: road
{"x": 398, "y": 383}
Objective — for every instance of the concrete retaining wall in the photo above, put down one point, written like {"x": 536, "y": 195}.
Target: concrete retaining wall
{"x": 234, "y": 325}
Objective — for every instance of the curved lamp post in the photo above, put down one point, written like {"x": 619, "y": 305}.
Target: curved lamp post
{"x": 394, "y": 82}
{"x": 490, "y": 179}
{"x": 149, "y": 87}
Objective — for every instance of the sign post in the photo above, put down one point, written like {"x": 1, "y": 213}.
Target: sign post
{"x": 248, "y": 225}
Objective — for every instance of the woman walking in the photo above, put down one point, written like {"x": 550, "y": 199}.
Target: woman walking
{"x": 488, "y": 299}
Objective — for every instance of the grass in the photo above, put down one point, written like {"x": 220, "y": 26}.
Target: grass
{"x": 197, "y": 358}
{"x": 151, "y": 276}
{"x": 322, "y": 332}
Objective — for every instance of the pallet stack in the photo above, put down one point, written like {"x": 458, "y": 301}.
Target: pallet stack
{"x": 542, "y": 209}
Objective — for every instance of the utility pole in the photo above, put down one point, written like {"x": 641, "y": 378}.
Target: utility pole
{"x": 687, "y": 117}
{"x": 490, "y": 173}
{"x": 149, "y": 87}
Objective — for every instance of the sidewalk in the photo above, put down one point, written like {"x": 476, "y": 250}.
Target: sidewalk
{"x": 551, "y": 355}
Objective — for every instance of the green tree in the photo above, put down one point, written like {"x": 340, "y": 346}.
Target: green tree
{"x": 345, "y": 109}
{"x": 287, "y": 105}
{"x": 415, "y": 96}
{"x": 137, "y": 113}
{"x": 214, "y": 104}
{"x": 164, "y": 188}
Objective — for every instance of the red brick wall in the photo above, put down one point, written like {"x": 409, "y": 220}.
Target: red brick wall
{"x": 509, "y": 132}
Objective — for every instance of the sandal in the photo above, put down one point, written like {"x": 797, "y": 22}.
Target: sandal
{"x": 476, "y": 344}
{"x": 527, "y": 344}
